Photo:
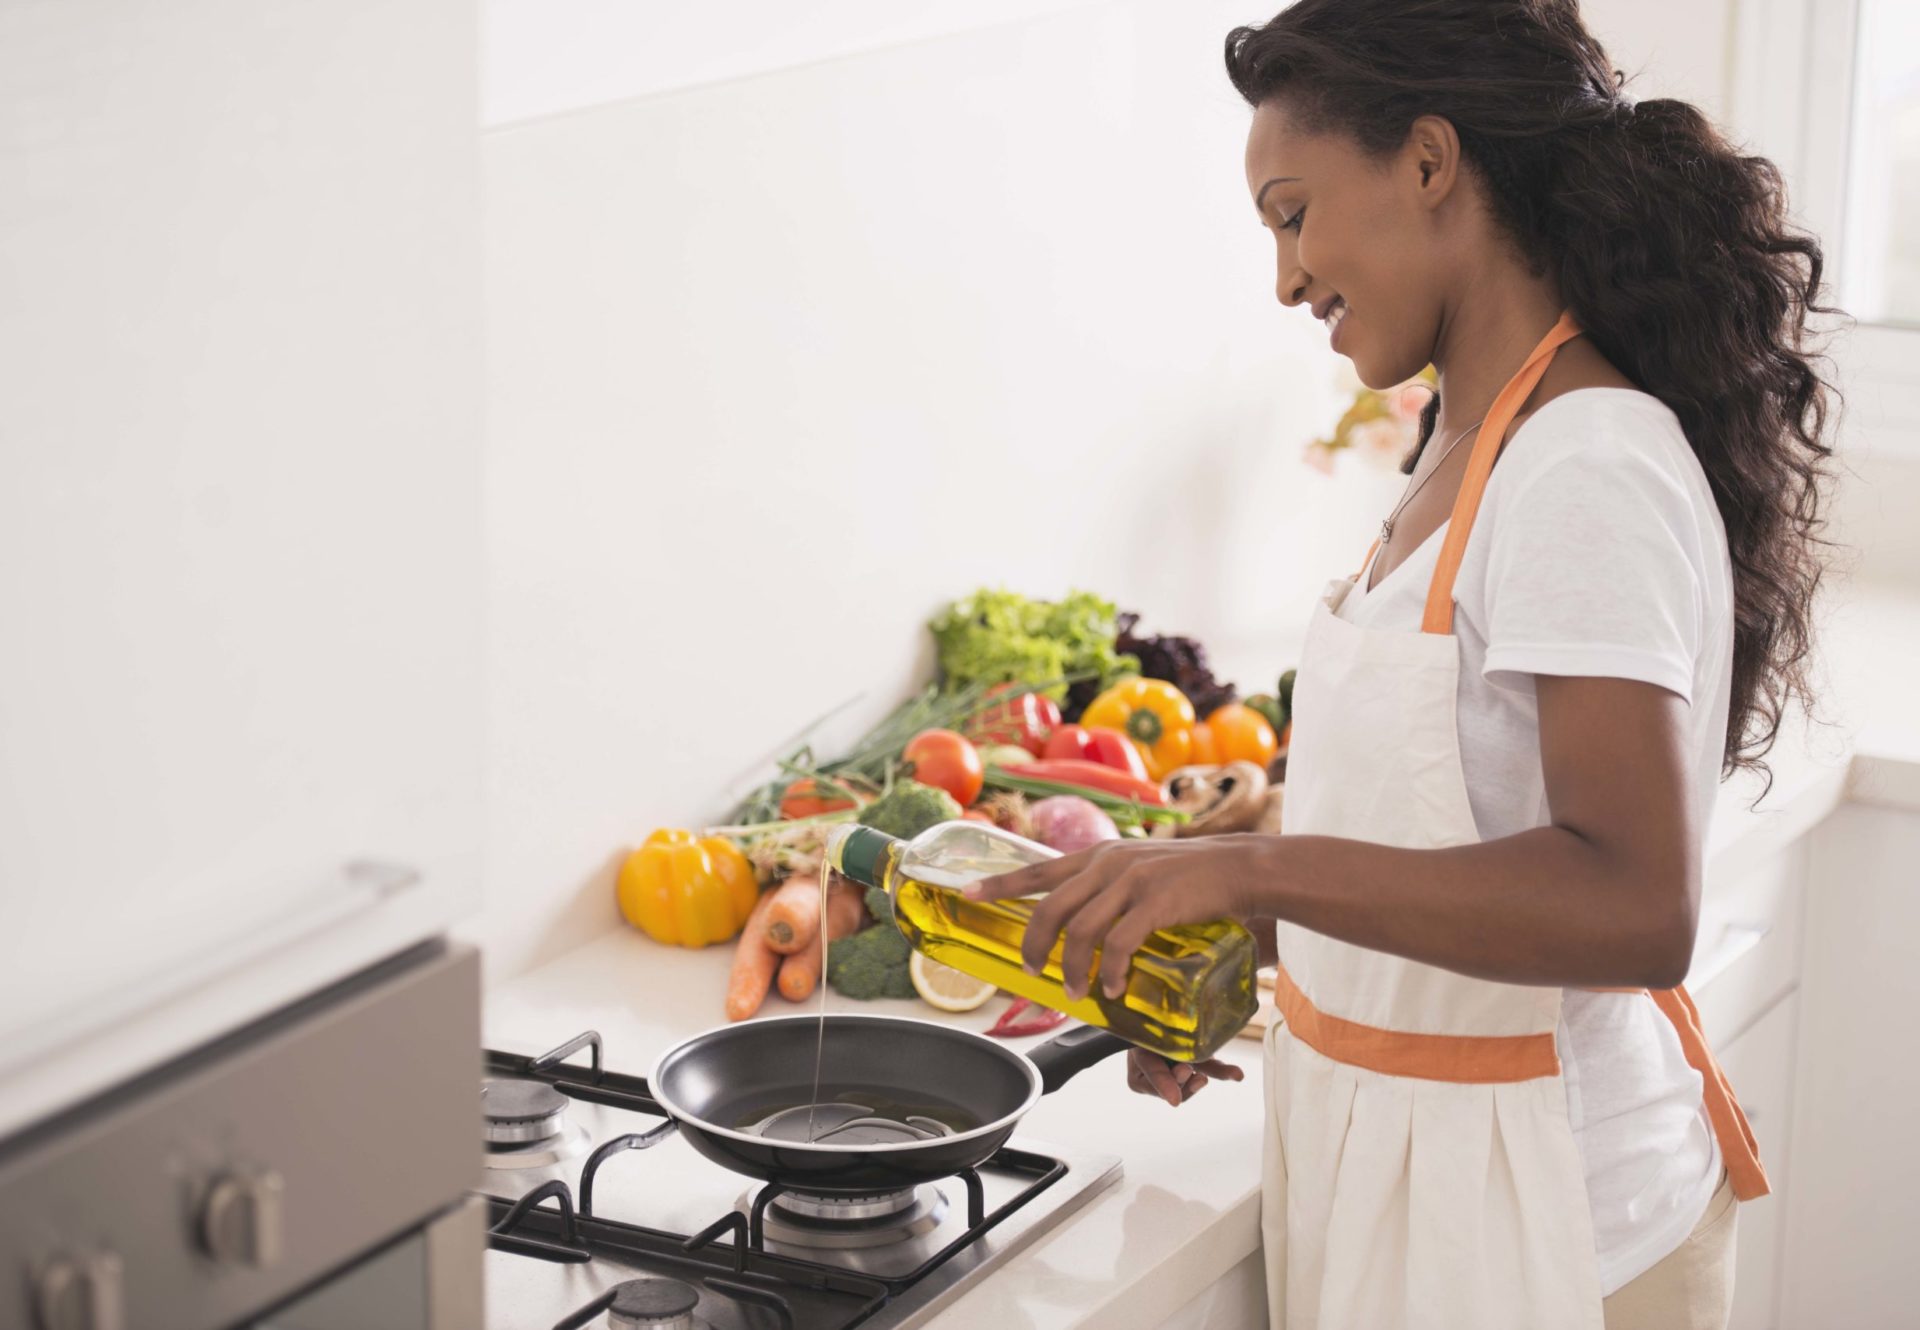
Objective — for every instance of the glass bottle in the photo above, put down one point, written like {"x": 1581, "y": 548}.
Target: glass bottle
{"x": 1190, "y": 988}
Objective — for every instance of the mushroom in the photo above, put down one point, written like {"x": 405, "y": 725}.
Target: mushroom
{"x": 1217, "y": 799}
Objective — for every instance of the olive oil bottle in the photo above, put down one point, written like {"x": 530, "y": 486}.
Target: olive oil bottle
{"x": 1189, "y": 989}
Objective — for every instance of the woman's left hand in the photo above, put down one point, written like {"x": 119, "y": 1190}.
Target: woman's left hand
{"x": 1110, "y": 897}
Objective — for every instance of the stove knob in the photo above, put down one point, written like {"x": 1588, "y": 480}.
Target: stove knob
{"x": 81, "y": 1294}
{"x": 240, "y": 1220}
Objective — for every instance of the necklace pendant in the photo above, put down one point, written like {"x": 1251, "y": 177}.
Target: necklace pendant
{"x": 1386, "y": 531}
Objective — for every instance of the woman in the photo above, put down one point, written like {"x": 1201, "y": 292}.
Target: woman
{"x": 1488, "y": 1106}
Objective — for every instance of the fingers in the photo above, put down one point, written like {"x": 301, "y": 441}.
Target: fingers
{"x": 1218, "y": 1070}
{"x": 1054, "y": 913}
{"x": 1085, "y": 933}
{"x": 1148, "y": 1074}
{"x": 1033, "y": 880}
{"x": 1174, "y": 1082}
{"x": 1122, "y": 939}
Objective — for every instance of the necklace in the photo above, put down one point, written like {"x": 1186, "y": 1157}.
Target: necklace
{"x": 1386, "y": 527}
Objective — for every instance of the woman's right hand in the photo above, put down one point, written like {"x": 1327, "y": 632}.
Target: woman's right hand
{"x": 1175, "y": 1082}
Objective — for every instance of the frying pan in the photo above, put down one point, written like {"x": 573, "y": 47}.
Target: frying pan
{"x": 721, "y": 1086}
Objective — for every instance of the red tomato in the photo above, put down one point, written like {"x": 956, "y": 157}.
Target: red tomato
{"x": 947, "y": 761}
{"x": 802, "y": 800}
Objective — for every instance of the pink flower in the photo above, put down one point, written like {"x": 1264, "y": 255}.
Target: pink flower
{"x": 1318, "y": 456}
{"x": 1384, "y": 440}
{"x": 1408, "y": 400}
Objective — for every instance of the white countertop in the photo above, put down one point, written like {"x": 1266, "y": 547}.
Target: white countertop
{"x": 1188, "y": 1206}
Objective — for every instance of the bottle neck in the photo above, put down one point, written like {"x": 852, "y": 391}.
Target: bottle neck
{"x": 864, "y": 855}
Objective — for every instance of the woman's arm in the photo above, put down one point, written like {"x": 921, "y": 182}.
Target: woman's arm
{"x": 1605, "y": 896}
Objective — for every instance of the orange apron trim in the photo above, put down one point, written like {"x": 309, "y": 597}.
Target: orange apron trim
{"x": 1486, "y": 448}
{"x": 1465, "y": 1059}
{"x": 1738, "y": 1149}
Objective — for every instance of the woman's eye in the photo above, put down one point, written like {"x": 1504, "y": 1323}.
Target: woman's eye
{"x": 1293, "y": 223}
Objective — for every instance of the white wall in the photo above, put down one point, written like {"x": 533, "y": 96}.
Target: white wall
{"x": 782, "y": 363}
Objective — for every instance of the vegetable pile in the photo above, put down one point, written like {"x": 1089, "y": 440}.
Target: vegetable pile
{"x": 1053, "y": 720}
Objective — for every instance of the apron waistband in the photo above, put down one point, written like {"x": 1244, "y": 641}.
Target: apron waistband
{"x": 1504, "y": 1059}
{"x": 1465, "y": 1059}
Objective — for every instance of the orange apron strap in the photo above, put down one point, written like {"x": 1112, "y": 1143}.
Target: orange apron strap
{"x": 1738, "y": 1149}
{"x": 1367, "y": 562}
{"x": 1466, "y": 1059}
{"x": 1486, "y": 448}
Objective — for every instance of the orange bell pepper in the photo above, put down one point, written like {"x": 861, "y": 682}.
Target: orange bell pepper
{"x": 1243, "y": 734}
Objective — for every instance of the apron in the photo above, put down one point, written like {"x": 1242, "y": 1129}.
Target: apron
{"x": 1419, "y": 1166}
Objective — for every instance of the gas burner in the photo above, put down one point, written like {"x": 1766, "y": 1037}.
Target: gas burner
{"x": 807, "y": 1219}
{"x": 518, "y": 1112}
{"x": 655, "y": 1304}
{"x": 571, "y": 1141}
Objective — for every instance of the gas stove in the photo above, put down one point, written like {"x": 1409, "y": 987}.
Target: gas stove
{"x": 601, "y": 1216}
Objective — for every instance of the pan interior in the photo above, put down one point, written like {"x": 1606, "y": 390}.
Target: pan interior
{"x": 919, "y": 1080}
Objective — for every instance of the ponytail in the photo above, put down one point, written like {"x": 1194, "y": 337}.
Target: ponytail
{"x": 1672, "y": 250}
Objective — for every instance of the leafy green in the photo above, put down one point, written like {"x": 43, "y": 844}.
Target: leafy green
{"x": 999, "y": 636}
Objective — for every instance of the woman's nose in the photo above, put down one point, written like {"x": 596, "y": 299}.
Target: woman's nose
{"x": 1292, "y": 287}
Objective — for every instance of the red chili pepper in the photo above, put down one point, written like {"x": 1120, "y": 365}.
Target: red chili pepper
{"x": 1012, "y": 1026}
{"x": 1026, "y": 719}
{"x": 1097, "y": 743}
{"x": 1093, "y": 776}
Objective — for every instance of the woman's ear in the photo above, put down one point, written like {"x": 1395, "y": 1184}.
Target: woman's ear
{"x": 1433, "y": 150}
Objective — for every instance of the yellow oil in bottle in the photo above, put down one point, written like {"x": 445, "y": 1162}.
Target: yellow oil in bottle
{"x": 1189, "y": 989}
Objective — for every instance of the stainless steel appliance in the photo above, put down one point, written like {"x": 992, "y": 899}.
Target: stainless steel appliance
{"x": 308, "y": 1171}
{"x": 601, "y": 1216}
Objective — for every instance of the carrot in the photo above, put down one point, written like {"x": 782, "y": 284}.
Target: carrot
{"x": 846, "y": 912}
{"x": 753, "y": 965}
{"x": 793, "y": 920}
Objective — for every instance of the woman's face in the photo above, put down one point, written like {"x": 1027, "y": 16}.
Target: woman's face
{"x": 1356, "y": 240}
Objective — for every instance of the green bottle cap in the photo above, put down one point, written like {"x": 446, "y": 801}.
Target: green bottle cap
{"x": 859, "y": 854}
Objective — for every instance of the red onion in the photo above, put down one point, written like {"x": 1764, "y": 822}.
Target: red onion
{"x": 1067, "y": 823}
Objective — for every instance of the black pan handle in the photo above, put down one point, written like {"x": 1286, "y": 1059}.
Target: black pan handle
{"x": 1065, "y": 1056}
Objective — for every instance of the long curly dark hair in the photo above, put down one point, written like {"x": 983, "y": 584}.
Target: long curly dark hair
{"x": 1672, "y": 249}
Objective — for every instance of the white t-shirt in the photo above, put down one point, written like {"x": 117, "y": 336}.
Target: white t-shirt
{"x": 1597, "y": 551}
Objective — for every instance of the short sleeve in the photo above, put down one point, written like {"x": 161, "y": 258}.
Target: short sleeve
{"x": 1596, "y": 565}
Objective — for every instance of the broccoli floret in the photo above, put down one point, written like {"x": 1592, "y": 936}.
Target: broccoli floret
{"x": 871, "y": 964}
{"x": 909, "y": 808}
{"x": 879, "y": 905}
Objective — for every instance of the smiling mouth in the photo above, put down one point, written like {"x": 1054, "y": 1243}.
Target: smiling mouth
{"x": 1335, "y": 316}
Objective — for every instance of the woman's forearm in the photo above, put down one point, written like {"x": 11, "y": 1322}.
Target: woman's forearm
{"x": 1546, "y": 906}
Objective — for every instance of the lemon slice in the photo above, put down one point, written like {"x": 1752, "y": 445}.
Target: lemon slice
{"x": 944, "y": 987}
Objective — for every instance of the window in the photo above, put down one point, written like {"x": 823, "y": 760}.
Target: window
{"x": 1830, "y": 89}
{"x": 1880, "y": 241}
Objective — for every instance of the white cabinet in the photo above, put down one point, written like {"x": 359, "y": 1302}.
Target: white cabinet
{"x": 1747, "y": 949}
{"x": 240, "y": 480}
{"x": 1760, "y": 1065}
{"x": 1855, "y": 1202}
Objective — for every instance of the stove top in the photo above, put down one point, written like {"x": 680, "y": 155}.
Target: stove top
{"x": 609, "y": 1219}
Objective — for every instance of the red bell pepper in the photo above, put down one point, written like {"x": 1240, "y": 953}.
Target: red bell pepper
{"x": 1013, "y": 1025}
{"x": 1093, "y": 776}
{"x": 1014, "y": 717}
{"x": 1097, "y": 743}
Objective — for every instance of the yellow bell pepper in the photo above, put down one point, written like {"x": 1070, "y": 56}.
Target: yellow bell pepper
{"x": 1152, "y": 713}
{"x": 687, "y": 892}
